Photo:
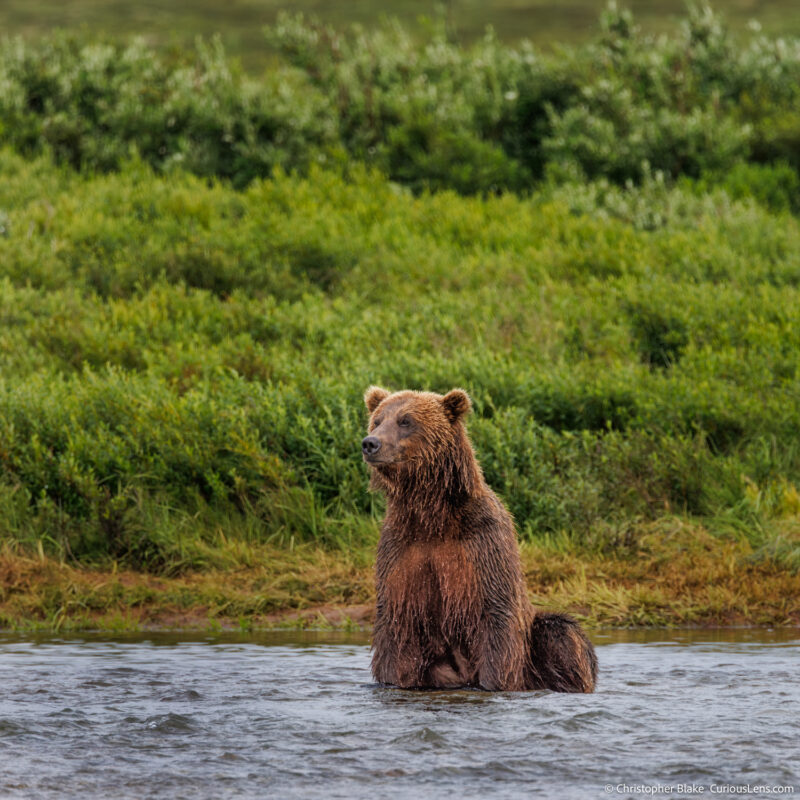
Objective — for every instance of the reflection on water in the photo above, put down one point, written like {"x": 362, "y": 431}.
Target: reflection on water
{"x": 297, "y": 715}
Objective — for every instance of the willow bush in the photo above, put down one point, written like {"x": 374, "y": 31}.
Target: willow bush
{"x": 429, "y": 114}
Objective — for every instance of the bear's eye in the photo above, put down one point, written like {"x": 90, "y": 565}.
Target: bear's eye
{"x": 404, "y": 422}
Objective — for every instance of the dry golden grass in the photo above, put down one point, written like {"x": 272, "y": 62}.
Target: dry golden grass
{"x": 677, "y": 575}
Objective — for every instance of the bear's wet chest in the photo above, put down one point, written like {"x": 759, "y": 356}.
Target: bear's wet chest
{"x": 435, "y": 582}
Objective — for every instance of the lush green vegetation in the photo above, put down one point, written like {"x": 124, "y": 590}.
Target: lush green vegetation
{"x": 190, "y": 318}
{"x": 545, "y": 23}
{"x": 431, "y": 115}
{"x": 180, "y": 358}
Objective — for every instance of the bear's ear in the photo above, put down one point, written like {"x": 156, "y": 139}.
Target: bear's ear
{"x": 374, "y": 396}
{"x": 456, "y": 404}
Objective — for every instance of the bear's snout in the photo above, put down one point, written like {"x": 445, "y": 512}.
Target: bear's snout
{"x": 370, "y": 445}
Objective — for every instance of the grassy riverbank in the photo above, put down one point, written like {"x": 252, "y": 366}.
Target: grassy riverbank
{"x": 679, "y": 575}
{"x": 200, "y": 273}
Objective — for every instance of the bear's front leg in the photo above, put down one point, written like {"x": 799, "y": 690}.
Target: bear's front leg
{"x": 501, "y": 647}
{"x": 395, "y": 662}
{"x": 501, "y": 665}
{"x": 402, "y": 669}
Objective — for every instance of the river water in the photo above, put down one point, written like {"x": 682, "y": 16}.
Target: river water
{"x": 296, "y": 715}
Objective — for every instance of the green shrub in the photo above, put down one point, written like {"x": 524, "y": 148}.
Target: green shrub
{"x": 776, "y": 186}
{"x": 180, "y": 358}
{"x": 660, "y": 338}
{"x": 428, "y": 114}
{"x": 91, "y": 104}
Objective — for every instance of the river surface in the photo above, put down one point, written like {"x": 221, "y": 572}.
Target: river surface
{"x": 297, "y": 715}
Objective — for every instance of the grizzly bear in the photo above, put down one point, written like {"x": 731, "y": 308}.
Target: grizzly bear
{"x": 451, "y": 604}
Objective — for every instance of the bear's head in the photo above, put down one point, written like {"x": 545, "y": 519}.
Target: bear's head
{"x": 408, "y": 428}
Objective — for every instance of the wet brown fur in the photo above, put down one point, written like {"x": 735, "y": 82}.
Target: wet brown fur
{"x": 452, "y": 609}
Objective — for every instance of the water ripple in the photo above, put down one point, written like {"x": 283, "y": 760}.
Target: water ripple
{"x": 170, "y": 723}
{"x": 299, "y": 717}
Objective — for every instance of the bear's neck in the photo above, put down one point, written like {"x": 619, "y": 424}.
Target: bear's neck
{"x": 425, "y": 499}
